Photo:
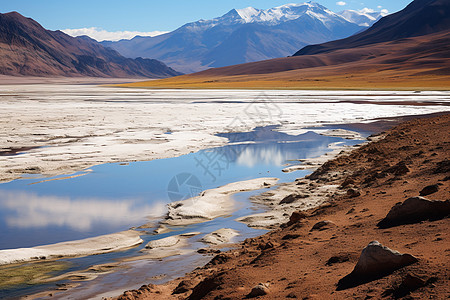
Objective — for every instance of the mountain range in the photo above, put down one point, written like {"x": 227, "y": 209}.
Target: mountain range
{"x": 26, "y": 48}
{"x": 419, "y": 18}
{"x": 246, "y": 35}
{"x": 410, "y": 48}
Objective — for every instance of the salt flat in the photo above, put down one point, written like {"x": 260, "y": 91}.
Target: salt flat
{"x": 60, "y": 129}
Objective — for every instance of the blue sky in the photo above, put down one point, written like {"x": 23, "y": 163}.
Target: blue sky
{"x": 155, "y": 15}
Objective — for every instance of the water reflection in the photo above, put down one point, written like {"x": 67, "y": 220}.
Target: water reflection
{"x": 264, "y": 146}
{"x": 250, "y": 157}
{"x": 113, "y": 197}
{"x": 29, "y": 210}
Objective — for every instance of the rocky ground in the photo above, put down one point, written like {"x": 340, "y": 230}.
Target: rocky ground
{"x": 319, "y": 253}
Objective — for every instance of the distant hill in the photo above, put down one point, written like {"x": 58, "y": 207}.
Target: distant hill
{"x": 244, "y": 35}
{"x": 421, "y": 17}
{"x": 26, "y": 48}
{"x": 409, "y": 49}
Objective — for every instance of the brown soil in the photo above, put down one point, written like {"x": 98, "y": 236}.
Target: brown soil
{"x": 298, "y": 262}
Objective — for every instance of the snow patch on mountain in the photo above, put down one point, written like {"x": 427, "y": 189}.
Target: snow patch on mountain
{"x": 365, "y": 17}
{"x": 248, "y": 14}
{"x": 283, "y": 13}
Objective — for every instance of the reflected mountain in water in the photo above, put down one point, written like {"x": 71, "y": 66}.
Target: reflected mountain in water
{"x": 265, "y": 146}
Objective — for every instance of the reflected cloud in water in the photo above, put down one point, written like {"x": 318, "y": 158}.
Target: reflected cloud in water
{"x": 275, "y": 155}
{"x": 29, "y": 210}
{"x": 250, "y": 157}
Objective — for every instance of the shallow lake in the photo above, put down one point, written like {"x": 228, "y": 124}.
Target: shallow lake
{"x": 114, "y": 197}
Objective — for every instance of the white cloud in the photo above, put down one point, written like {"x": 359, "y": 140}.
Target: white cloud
{"x": 366, "y": 10}
{"x": 100, "y": 34}
{"x": 379, "y": 6}
{"x": 341, "y": 3}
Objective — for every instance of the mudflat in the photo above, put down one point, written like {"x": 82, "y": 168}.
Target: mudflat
{"x": 54, "y": 129}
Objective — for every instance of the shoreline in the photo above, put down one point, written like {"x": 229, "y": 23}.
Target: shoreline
{"x": 26, "y": 80}
{"x": 348, "y": 214}
{"x": 86, "y": 247}
{"x": 206, "y": 83}
{"x": 180, "y": 211}
{"x": 276, "y": 87}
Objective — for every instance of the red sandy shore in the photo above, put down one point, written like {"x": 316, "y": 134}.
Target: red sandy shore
{"x": 299, "y": 263}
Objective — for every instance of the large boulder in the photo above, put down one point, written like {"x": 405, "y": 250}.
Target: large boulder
{"x": 414, "y": 210}
{"x": 375, "y": 262}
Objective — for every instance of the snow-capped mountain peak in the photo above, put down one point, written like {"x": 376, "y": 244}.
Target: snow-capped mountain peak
{"x": 280, "y": 14}
{"x": 248, "y": 14}
{"x": 243, "y": 35}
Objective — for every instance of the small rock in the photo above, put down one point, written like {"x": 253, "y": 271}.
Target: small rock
{"x": 265, "y": 246}
{"x": 353, "y": 193}
{"x": 290, "y": 236}
{"x": 409, "y": 284}
{"x": 183, "y": 287}
{"x": 414, "y": 210}
{"x": 296, "y": 217}
{"x": 291, "y": 295}
{"x": 348, "y": 181}
{"x": 375, "y": 262}
{"x": 323, "y": 225}
{"x": 338, "y": 259}
{"x": 292, "y": 198}
{"x": 413, "y": 282}
{"x": 208, "y": 251}
{"x": 428, "y": 190}
{"x": 350, "y": 211}
{"x": 259, "y": 290}
{"x": 399, "y": 169}
{"x": 442, "y": 167}
{"x": 300, "y": 182}
{"x": 219, "y": 259}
